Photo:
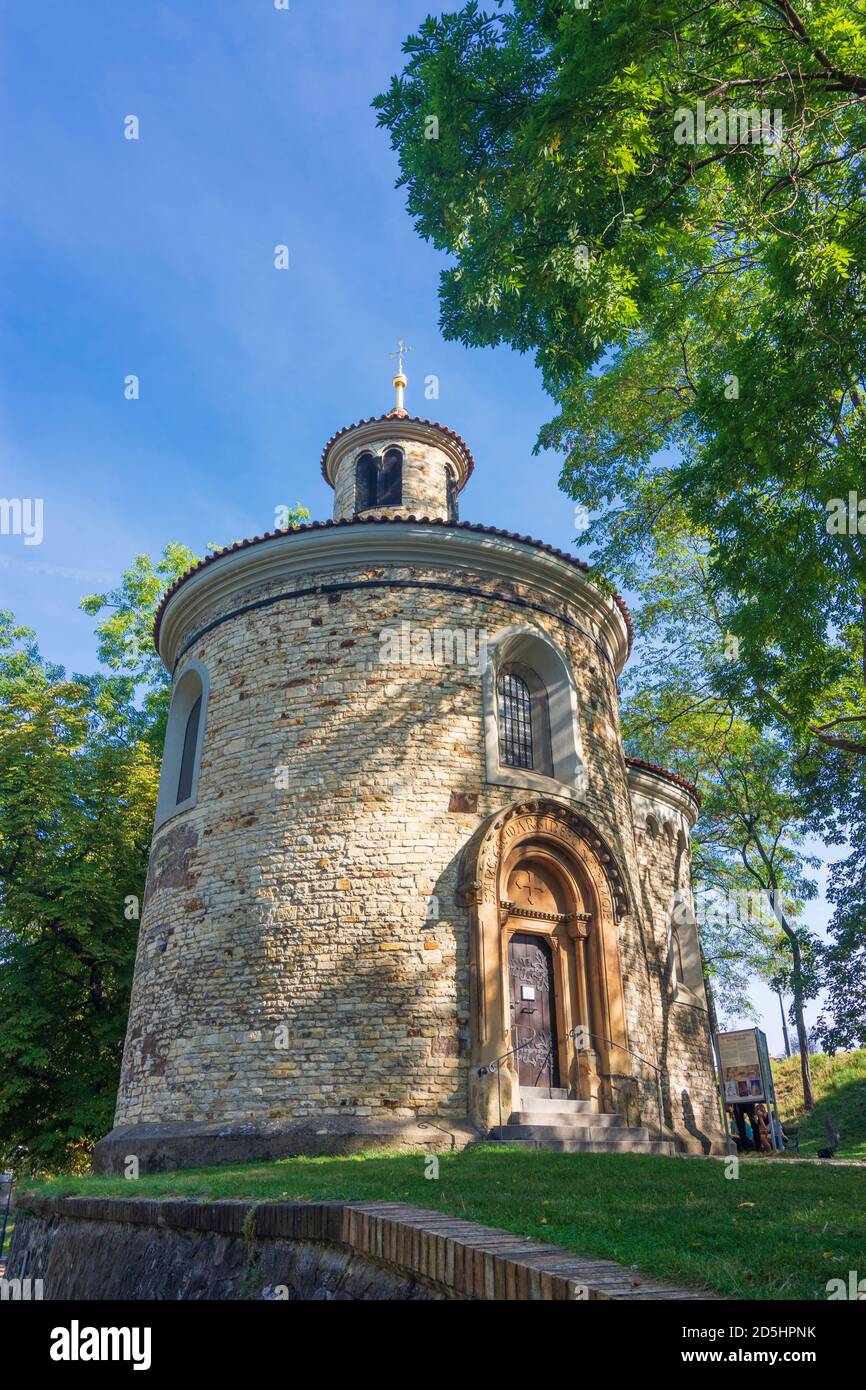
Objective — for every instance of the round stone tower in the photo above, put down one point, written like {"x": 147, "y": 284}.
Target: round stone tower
{"x": 397, "y": 890}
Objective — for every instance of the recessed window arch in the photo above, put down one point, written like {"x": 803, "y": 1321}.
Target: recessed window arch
{"x": 531, "y": 727}
{"x": 184, "y": 737}
{"x": 685, "y": 967}
{"x": 378, "y": 481}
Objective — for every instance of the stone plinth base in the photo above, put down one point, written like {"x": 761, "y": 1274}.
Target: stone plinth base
{"x": 160, "y": 1148}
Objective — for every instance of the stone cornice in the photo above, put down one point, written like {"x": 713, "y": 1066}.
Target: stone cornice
{"x": 665, "y": 788}
{"x": 395, "y": 428}
{"x": 556, "y": 580}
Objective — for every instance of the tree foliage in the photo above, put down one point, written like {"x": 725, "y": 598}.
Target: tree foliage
{"x": 698, "y": 314}
{"x": 78, "y": 779}
{"x": 708, "y": 297}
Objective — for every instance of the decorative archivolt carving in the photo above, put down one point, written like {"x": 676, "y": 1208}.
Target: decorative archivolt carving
{"x": 492, "y": 843}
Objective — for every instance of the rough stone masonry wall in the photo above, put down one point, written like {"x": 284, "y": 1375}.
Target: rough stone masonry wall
{"x": 328, "y": 908}
{"x": 682, "y": 1028}
{"x": 425, "y": 491}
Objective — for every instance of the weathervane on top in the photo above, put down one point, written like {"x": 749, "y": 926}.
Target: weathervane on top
{"x": 401, "y": 381}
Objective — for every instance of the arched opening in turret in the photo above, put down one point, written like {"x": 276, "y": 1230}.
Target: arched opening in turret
{"x": 378, "y": 482}
{"x": 187, "y": 759}
{"x": 391, "y": 479}
{"x": 366, "y": 483}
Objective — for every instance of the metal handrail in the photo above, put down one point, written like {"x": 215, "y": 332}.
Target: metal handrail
{"x": 646, "y": 1062}
{"x": 425, "y": 1123}
{"x": 494, "y": 1068}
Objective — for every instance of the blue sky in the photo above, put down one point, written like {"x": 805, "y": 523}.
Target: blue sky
{"x": 155, "y": 257}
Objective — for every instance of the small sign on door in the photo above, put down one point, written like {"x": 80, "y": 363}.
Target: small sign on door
{"x": 527, "y": 991}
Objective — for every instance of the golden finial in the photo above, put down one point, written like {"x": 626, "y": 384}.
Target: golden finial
{"x": 401, "y": 381}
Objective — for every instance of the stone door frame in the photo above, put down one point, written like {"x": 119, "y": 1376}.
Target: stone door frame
{"x": 543, "y": 830}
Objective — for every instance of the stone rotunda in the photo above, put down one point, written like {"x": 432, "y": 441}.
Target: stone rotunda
{"x": 405, "y": 888}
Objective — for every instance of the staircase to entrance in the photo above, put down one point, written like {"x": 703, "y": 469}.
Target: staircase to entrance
{"x": 548, "y": 1117}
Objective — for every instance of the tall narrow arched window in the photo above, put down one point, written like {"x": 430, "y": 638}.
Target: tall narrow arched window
{"x": 391, "y": 479}
{"x": 184, "y": 737}
{"x": 366, "y": 482}
{"x": 451, "y": 492}
{"x": 187, "y": 759}
{"x": 515, "y": 721}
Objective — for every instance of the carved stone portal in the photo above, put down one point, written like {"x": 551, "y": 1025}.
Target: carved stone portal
{"x": 540, "y": 868}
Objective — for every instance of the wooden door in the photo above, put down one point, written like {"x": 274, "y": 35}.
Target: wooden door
{"x": 533, "y": 1009}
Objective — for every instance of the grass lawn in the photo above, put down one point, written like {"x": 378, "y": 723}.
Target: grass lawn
{"x": 781, "y": 1230}
{"x": 839, "y": 1084}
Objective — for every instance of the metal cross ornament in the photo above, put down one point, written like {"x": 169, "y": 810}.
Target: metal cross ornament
{"x": 402, "y": 351}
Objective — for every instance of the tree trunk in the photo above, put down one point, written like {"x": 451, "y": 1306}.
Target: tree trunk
{"x": 713, "y": 1022}
{"x": 784, "y": 1026}
{"x": 797, "y": 987}
{"x": 802, "y": 1034}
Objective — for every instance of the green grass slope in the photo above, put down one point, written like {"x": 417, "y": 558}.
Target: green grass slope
{"x": 839, "y": 1084}
{"x": 777, "y": 1230}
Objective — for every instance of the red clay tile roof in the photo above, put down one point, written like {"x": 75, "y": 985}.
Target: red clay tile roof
{"x": 668, "y": 776}
{"x": 384, "y": 521}
{"x": 412, "y": 420}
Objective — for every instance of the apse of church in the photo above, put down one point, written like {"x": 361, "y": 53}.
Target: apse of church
{"x": 405, "y": 888}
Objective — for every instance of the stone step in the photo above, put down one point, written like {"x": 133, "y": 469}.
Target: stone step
{"x": 637, "y": 1146}
{"x": 577, "y": 1119}
{"x": 549, "y": 1134}
{"x": 544, "y": 1093}
{"x": 594, "y": 1146}
{"x": 529, "y": 1103}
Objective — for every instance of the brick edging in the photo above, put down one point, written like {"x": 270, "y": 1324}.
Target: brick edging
{"x": 469, "y": 1260}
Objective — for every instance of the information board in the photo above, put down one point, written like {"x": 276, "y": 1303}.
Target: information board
{"x": 740, "y": 1061}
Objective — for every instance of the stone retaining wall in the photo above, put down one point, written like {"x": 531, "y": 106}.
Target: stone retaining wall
{"x": 109, "y": 1249}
